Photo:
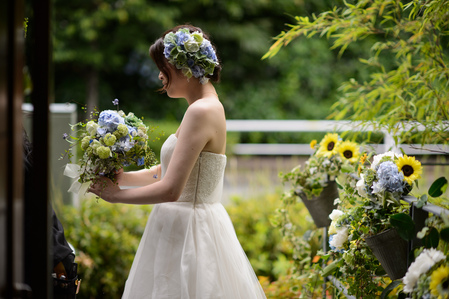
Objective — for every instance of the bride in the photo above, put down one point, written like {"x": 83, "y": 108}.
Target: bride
{"x": 189, "y": 248}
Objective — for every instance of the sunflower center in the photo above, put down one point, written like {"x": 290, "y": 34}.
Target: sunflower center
{"x": 407, "y": 170}
{"x": 330, "y": 146}
{"x": 445, "y": 284}
{"x": 347, "y": 154}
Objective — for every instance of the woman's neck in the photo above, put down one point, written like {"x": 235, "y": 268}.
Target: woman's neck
{"x": 200, "y": 92}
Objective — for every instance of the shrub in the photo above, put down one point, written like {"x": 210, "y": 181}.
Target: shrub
{"x": 268, "y": 253}
{"x": 105, "y": 238}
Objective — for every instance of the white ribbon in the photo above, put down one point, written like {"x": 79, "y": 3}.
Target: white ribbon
{"x": 73, "y": 171}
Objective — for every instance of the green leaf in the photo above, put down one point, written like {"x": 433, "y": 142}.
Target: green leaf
{"x": 432, "y": 239}
{"x": 347, "y": 169}
{"x": 444, "y": 234}
{"x": 438, "y": 187}
{"x": 338, "y": 184}
{"x": 329, "y": 269}
{"x": 404, "y": 225}
{"x": 390, "y": 288}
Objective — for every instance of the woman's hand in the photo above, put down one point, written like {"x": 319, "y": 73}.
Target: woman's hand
{"x": 105, "y": 188}
{"x": 119, "y": 176}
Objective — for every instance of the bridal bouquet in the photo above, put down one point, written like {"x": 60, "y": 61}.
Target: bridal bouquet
{"x": 112, "y": 141}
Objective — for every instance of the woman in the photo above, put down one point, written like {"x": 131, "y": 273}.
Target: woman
{"x": 189, "y": 248}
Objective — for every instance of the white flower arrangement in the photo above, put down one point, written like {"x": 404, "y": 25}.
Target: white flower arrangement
{"x": 427, "y": 259}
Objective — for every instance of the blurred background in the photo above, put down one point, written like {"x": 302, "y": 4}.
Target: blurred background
{"x": 100, "y": 53}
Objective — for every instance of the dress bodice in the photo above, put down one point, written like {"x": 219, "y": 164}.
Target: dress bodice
{"x": 205, "y": 182}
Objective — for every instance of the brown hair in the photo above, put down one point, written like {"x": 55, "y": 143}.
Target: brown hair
{"x": 157, "y": 53}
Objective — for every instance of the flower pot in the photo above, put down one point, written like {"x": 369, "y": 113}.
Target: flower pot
{"x": 321, "y": 206}
{"x": 391, "y": 251}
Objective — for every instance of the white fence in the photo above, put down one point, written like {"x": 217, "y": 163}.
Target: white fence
{"x": 313, "y": 126}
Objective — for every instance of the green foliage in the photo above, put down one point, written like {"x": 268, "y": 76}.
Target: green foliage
{"x": 438, "y": 187}
{"x": 404, "y": 225}
{"x": 413, "y": 89}
{"x": 105, "y": 238}
{"x": 101, "y": 50}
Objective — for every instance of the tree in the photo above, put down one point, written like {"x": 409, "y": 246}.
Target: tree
{"x": 110, "y": 42}
{"x": 94, "y": 38}
{"x": 405, "y": 97}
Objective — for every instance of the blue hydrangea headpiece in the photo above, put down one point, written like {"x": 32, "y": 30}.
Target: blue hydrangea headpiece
{"x": 191, "y": 53}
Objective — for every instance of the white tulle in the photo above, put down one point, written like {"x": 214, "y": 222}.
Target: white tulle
{"x": 189, "y": 248}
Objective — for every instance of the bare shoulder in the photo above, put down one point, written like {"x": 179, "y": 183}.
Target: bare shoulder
{"x": 206, "y": 104}
{"x": 206, "y": 108}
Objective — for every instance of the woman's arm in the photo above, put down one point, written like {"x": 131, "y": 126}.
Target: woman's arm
{"x": 141, "y": 177}
{"x": 198, "y": 128}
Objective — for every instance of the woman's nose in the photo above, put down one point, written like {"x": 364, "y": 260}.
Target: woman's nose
{"x": 160, "y": 76}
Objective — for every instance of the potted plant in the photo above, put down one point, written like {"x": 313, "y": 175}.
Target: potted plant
{"x": 373, "y": 214}
{"x": 314, "y": 183}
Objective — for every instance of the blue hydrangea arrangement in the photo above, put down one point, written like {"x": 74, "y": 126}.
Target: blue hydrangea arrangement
{"x": 191, "y": 53}
{"x": 109, "y": 143}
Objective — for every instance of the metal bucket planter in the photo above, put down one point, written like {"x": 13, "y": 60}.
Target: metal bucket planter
{"x": 321, "y": 206}
{"x": 391, "y": 251}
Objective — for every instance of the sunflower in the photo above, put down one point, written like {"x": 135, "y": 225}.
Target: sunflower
{"x": 312, "y": 144}
{"x": 410, "y": 167}
{"x": 439, "y": 282}
{"x": 328, "y": 146}
{"x": 349, "y": 150}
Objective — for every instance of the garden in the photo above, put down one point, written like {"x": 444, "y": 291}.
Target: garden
{"x": 351, "y": 220}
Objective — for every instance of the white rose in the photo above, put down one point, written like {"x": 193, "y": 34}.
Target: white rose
{"x": 335, "y": 214}
{"x": 377, "y": 158}
{"x": 361, "y": 186}
{"x": 340, "y": 238}
{"x": 378, "y": 188}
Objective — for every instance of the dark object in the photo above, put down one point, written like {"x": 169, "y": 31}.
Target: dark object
{"x": 391, "y": 251}
{"x": 67, "y": 288}
{"x": 321, "y": 206}
{"x": 65, "y": 278}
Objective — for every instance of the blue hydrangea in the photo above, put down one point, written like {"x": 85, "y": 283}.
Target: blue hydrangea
{"x": 186, "y": 57}
{"x": 181, "y": 38}
{"x": 197, "y": 71}
{"x": 206, "y": 49}
{"x": 140, "y": 161}
{"x": 389, "y": 177}
{"x": 167, "y": 49}
{"x": 110, "y": 119}
{"x": 132, "y": 131}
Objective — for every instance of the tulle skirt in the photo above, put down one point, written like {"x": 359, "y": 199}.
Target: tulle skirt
{"x": 191, "y": 251}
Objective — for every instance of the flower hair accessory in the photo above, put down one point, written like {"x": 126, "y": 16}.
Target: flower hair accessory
{"x": 191, "y": 53}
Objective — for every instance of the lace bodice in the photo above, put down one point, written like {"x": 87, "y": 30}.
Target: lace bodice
{"x": 205, "y": 182}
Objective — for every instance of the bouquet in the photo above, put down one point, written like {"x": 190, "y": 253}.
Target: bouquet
{"x": 110, "y": 142}
{"x": 332, "y": 156}
{"x": 372, "y": 200}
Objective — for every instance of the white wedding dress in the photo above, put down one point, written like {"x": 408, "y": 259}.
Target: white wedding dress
{"x": 189, "y": 249}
